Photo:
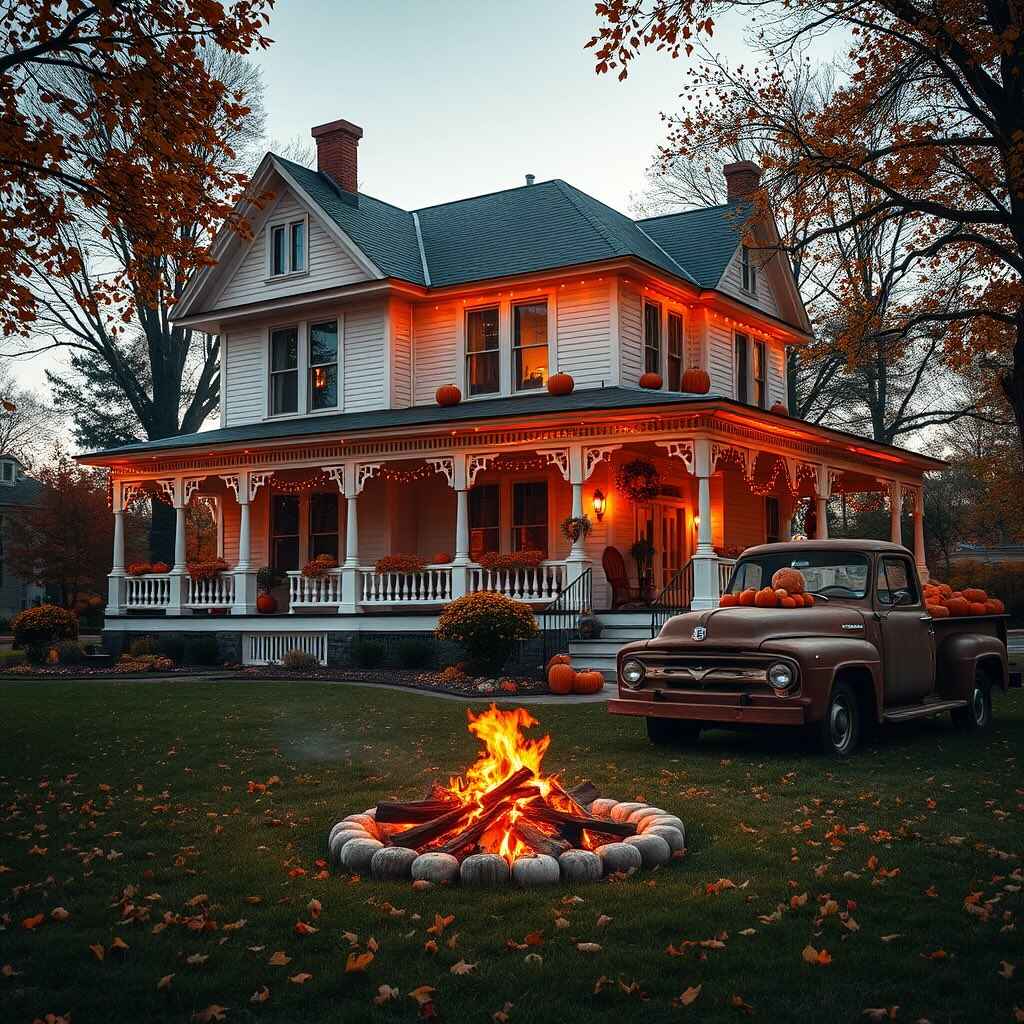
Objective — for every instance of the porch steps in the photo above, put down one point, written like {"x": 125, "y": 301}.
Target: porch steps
{"x": 617, "y": 630}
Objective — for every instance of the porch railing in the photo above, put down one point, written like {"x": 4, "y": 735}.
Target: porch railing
{"x": 149, "y": 592}
{"x": 541, "y": 583}
{"x": 725, "y": 568}
{"x": 431, "y": 586}
{"x": 559, "y": 620}
{"x": 314, "y": 591}
{"x": 215, "y": 592}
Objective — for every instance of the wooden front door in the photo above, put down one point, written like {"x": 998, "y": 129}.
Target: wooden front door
{"x": 672, "y": 541}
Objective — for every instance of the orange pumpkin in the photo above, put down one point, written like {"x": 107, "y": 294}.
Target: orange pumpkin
{"x": 448, "y": 394}
{"x": 651, "y": 381}
{"x": 588, "y": 681}
{"x": 978, "y": 608}
{"x": 765, "y": 598}
{"x": 787, "y": 602}
{"x": 728, "y": 601}
{"x": 958, "y": 606}
{"x": 561, "y": 678}
{"x": 974, "y": 595}
{"x": 790, "y": 580}
{"x": 938, "y": 611}
{"x": 998, "y": 608}
{"x": 781, "y": 592}
{"x": 746, "y": 597}
{"x": 778, "y": 409}
{"x": 696, "y": 381}
{"x": 808, "y": 600}
{"x": 560, "y": 384}
{"x": 557, "y": 659}
{"x": 797, "y": 599}
{"x": 266, "y": 604}
{"x": 945, "y": 590}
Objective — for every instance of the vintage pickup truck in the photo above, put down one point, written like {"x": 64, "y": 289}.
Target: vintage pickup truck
{"x": 867, "y": 652}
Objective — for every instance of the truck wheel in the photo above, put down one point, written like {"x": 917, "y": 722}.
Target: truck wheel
{"x": 977, "y": 716}
{"x": 665, "y": 731}
{"x": 840, "y": 728}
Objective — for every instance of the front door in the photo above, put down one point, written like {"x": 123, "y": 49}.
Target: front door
{"x": 671, "y": 520}
{"x": 907, "y": 632}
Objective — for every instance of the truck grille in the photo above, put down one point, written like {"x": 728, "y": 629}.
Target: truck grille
{"x": 706, "y": 671}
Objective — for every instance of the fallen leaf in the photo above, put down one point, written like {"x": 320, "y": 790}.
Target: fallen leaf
{"x": 601, "y": 984}
{"x": 197, "y": 959}
{"x": 689, "y": 996}
{"x": 1006, "y": 969}
{"x": 164, "y": 982}
{"x": 358, "y": 962}
{"x": 588, "y": 947}
{"x": 533, "y": 959}
{"x": 891, "y": 938}
{"x": 603, "y": 920}
{"x": 534, "y": 939}
{"x": 59, "y": 914}
{"x": 502, "y": 1016}
{"x": 423, "y": 995}
{"x": 937, "y": 954}
{"x": 385, "y": 993}
{"x": 98, "y": 951}
{"x": 33, "y": 922}
{"x": 280, "y": 959}
{"x": 440, "y": 923}
{"x": 300, "y": 979}
{"x": 561, "y": 922}
{"x": 301, "y": 928}
{"x": 430, "y": 946}
{"x": 314, "y": 907}
{"x": 462, "y": 967}
{"x": 119, "y": 944}
{"x": 737, "y": 1003}
{"x": 212, "y": 1013}
{"x": 820, "y": 958}
{"x": 261, "y": 995}
{"x": 880, "y": 1013}
{"x": 8, "y": 971}
{"x": 748, "y": 931}
{"x": 422, "y": 884}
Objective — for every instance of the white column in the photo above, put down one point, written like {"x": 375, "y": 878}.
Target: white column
{"x": 705, "y": 562}
{"x": 577, "y": 562}
{"x": 895, "y": 512}
{"x": 176, "y": 601}
{"x": 919, "y": 552}
{"x": 245, "y": 578}
{"x": 352, "y": 483}
{"x": 823, "y": 491}
{"x": 115, "y": 581}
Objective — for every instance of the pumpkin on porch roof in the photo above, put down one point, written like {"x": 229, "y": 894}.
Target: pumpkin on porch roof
{"x": 651, "y": 381}
{"x": 448, "y": 394}
{"x": 778, "y": 409}
{"x": 560, "y": 384}
{"x": 696, "y": 381}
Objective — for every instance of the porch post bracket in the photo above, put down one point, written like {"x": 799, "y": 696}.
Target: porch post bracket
{"x": 593, "y": 457}
{"x": 129, "y": 492}
{"x": 476, "y": 463}
{"x": 680, "y": 450}
{"x": 444, "y": 465}
{"x": 189, "y": 487}
{"x": 168, "y": 488}
{"x": 234, "y": 484}
{"x": 796, "y": 469}
{"x": 560, "y": 458}
{"x": 365, "y": 471}
{"x": 337, "y": 474}
{"x": 257, "y": 478}
{"x": 825, "y": 478}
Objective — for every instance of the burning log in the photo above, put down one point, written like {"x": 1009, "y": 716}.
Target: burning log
{"x": 470, "y": 835}
{"x": 542, "y": 812}
{"x": 540, "y": 842}
{"x": 411, "y": 812}
{"x": 584, "y": 793}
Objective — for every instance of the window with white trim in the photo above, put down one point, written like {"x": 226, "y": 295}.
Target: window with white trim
{"x": 286, "y": 247}
{"x": 530, "y": 345}
{"x": 748, "y": 270}
{"x": 483, "y": 352}
{"x": 675, "y": 352}
{"x": 323, "y": 365}
{"x": 284, "y": 370}
{"x": 759, "y": 375}
{"x": 652, "y": 337}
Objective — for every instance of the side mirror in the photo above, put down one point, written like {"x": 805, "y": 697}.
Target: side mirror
{"x": 902, "y": 597}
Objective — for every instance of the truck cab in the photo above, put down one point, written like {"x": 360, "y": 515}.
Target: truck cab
{"x": 867, "y": 651}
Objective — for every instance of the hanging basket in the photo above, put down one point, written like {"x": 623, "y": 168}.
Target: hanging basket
{"x": 639, "y": 481}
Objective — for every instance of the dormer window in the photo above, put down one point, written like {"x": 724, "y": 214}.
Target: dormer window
{"x": 748, "y": 271}
{"x": 8, "y": 473}
{"x": 287, "y": 248}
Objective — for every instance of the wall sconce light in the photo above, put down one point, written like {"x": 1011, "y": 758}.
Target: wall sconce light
{"x": 696, "y": 523}
{"x": 599, "y": 504}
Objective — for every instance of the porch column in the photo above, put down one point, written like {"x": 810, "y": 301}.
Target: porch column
{"x": 177, "y": 604}
{"x": 458, "y": 473}
{"x": 115, "y": 581}
{"x": 895, "y": 511}
{"x": 351, "y": 477}
{"x": 705, "y": 562}
{"x": 917, "y": 496}
{"x": 244, "y": 485}
{"x": 824, "y": 477}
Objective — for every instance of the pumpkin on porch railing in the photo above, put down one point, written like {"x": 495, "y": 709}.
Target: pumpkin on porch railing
{"x": 696, "y": 381}
{"x": 448, "y": 394}
{"x": 652, "y": 381}
{"x": 208, "y": 569}
{"x": 317, "y": 568}
{"x": 560, "y": 384}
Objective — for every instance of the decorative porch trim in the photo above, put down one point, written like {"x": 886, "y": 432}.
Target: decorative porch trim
{"x": 478, "y": 463}
{"x": 446, "y": 466}
{"x": 593, "y": 457}
{"x": 559, "y": 458}
{"x": 683, "y": 450}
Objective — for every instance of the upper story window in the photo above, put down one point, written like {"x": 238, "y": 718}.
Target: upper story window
{"x": 483, "y": 357}
{"x": 323, "y": 365}
{"x": 287, "y": 247}
{"x": 748, "y": 270}
{"x": 742, "y": 367}
{"x": 530, "y": 345}
{"x": 759, "y": 375}
{"x": 652, "y": 337}
{"x": 675, "y": 352}
{"x": 284, "y": 370}
{"x": 305, "y": 362}
{"x": 7, "y": 472}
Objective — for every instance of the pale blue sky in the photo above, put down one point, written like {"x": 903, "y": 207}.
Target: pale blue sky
{"x": 459, "y": 98}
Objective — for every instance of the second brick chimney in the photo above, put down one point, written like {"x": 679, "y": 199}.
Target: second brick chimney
{"x": 337, "y": 152}
{"x": 742, "y": 179}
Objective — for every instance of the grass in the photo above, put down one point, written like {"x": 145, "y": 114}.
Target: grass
{"x": 137, "y": 795}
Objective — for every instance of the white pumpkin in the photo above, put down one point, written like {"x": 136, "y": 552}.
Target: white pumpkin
{"x": 674, "y": 837}
{"x": 602, "y": 807}
{"x": 365, "y": 821}
{"x": 620, "y": 812}
{"x": 392, "y": 863}
{"x": 654, "y": 851}
{"x": 484, "y": 869}
{"x": 659, "y": 819}
{"x": 438, "y": 868}
{"x": 536, "y": 870}
{"x": 356, "y": 855}
{"x": 645, "y": 812}
{"x": 579, "y": 866}
{"x": 347, "y": 826}
{"x": 619, "y": 857}
{"x": 340, "y": 840}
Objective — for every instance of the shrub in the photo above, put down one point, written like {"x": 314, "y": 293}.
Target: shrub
{"x": 201, "y": 650}
{"x": 268, "y": 577}
{"x": 138, "y": 568}
{"x": 143, "y": 663}
{"x": 416, "y": 652}
{"x": 142, "y": 646}
{"x": 487, "y": 625}
{"x": 160, "y": 567}
{"x": 70, "y": 652}
{"x": 299, "y": 661}
{"x": 440, "y": 558}
{"x": 400, "y": 563}
{"x": 36, "y": 629}
{"x": 319, "y": 566}
{"x": 367, "y": 653}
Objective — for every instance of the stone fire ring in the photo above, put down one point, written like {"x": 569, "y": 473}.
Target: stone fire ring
{"x": 356, "y": 847}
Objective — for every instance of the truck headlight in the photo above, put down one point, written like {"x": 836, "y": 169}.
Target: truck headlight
{"x": 780, "y": 676}
{"x": 632, "y": 673}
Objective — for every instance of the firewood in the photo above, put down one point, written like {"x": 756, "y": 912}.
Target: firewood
{"x": 513, "y": 782}
{"x": 472, "y": 833}
{"x": 412, "y": 811}
{"x": 542, "y": 812}
{"x": 584, "y": 793}
{"x": 539, "y": 841}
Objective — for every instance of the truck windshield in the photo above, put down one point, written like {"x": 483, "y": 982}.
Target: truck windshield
{"x": 835, "y": 574}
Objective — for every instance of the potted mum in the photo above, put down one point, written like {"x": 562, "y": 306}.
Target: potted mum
{"x": 266, "y": 579}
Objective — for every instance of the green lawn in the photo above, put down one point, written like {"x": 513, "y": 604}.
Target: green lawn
{"x": 110, "y": 789}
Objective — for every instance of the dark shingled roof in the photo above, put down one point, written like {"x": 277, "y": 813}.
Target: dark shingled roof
{"x": 417, "y": 416}
{"x": 519, "y": 230}
{"x": 24, "y": 491}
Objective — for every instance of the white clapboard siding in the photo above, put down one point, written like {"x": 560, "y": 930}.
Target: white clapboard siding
{"x": 777, "y": 391}
{"x": 720, "y": 360}
{"x": 401, "y": 355}
{"x": 631, "y": 344}
{"x": 732, "y": 283}
{"x": 584, "y": 334}
{"x": 245, "y": 372}
{"x": 434, "y": 348}
{"x": 329, "y": 265}
{"x": 364, "y": 356}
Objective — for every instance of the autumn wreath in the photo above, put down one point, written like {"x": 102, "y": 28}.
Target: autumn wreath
{"x": 638, "y": 480}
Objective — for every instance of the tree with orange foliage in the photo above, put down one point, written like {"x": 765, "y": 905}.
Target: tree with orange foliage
{"x": 945, "y": 82}
{"x": 148, "y": 82}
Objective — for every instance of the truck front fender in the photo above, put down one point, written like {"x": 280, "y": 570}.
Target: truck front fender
{"x": 957, "y": 659}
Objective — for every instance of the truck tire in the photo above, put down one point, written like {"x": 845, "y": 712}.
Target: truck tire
{"x": 977, "y": 716}
{"x": 840, "y": 729}
{"x": 673, "y": 731}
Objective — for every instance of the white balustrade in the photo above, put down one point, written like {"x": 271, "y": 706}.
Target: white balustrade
{"x": 725, "y": 568}
{"x": 213, "y": 592}
{"x": 433, "y": 585}
{"x": 536, "y": 584}
{"x": 153, "y": 590}
{"x": 314, "y": 591}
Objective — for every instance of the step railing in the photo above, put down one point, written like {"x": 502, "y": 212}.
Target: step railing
{"x": 675, "y": 597}
{"x": 213, "y": 592}
{"x": 531, "y": 584}
{"x": 560, "y": 619}
{"x": 149, "y": 592}
{"x": 432, "y": 585}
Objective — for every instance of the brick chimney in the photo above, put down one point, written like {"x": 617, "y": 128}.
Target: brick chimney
{"x": 337, "y": 145}
{"x": 742, "y": 179}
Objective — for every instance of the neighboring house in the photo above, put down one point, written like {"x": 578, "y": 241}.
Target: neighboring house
{"x": 17, "y": 491}
{"x": 342, "y": 316}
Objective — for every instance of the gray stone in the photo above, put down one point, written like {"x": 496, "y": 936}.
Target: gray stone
{"x": 659, "y": 819}
{"x": 645, "y": 812}
{"x": 347, "y": 826}
{"x": 579, "y": 866}
{"x": 340, "y": 840}
{"x": 619, "y": 857}
{"x": 654, "y": 850}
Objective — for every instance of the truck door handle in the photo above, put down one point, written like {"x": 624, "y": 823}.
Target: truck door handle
{"x": 926, "y": 618}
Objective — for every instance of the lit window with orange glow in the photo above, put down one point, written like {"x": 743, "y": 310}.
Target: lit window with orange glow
{"x": 323, "y": 365}
{"x": 482, "y": 355}
{"x": 530, "y": 345}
